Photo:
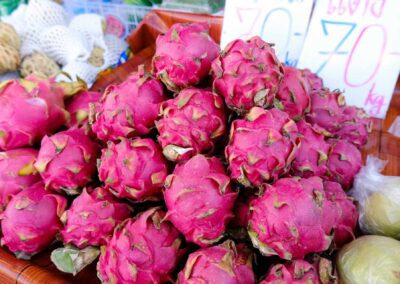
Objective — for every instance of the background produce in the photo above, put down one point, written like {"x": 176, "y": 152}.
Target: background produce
{"x": 134, "y": 255}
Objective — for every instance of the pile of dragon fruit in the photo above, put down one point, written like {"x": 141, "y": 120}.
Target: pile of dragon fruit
{"x": 215, "y": 167}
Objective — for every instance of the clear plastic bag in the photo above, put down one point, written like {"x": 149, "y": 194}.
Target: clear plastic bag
{"x": 378, "y": 199}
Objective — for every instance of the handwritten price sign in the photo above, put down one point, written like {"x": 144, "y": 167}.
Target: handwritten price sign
{"x": 282, "y": 22}
{"x": 354, "y": 45}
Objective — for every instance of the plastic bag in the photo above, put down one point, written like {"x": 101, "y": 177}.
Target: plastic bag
{"x": 378, "y": 199}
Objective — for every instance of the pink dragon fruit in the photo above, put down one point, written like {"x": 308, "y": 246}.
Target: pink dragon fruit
{"x": 200, "y": 200}
{"x": 78, "y": 107}
{"x": 293, "y": 96}
{"x": 344, "y": 162}
{"x": 143, "y": 250}
{"x": 31, "y": 220}
{"x": 225, "y": 263}
{"x": 238, "y": 225}
{"x": 313, "y": 152}
{"x": 92, "y": 217}
{"x": 135, "y": 169}
{"x": 183, "y": 55}
{"x": 347, "y": 214}
{"x": 261, "y": 147}
{"x": 128, "y": 109}
{"x": 354, "y": 126}
{"x": 292, "y": 219}
{"x": 302, "y": 272}
{"x": 16, "y": 173}
{"x": 326, "y": 109}
{"x": 247, "y": 74}
{"x": 30, "y": 108}
{"x": 67, "y": 160}
{"x": 191, "y": 124}
{"x": 315, "y": 83}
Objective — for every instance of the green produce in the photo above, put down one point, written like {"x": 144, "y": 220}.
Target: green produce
{"x": 370, "y": 259}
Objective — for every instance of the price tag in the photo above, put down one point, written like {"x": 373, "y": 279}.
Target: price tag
{"x": 282, "y": 22}
{"x": 354, "y": 45}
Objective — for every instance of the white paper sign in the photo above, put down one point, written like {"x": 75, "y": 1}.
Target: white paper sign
{"x": 354, "y": 45}
{"x": 282, "y": 22}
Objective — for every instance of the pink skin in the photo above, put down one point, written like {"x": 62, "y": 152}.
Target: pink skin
{"x": 30, "y": 112}
{"x": 78, "y": 107}
{"x": 261, "y": 147}
{"x": 67, "y": 160}
{"x": 142, "y": 250}
{"x": 326, "y": 109}
{"x": 302, "y": 272}
{"x": 128, "y": 109}
{"x": 200, "y": 200}
{"x": 16, "y": 173}
{"x": 315, "y": 83}
{"x": 347, "y": 214}
{"x": 134, "y": 169}
{"x": 313, "y": 152}
{"x": 191, "y": 123}
{"x": 31, "y": 220}
{"x": 294, "y": 93}
{"x": 183, "y": 55}
{"x": 247, "y": 74}
{"x": 355, "y": 126}
{"x": 292, "y": 219}
{"x": 92, "y": 217}
{"x": 225, "y": 263}
{"x": 344, "y": 162}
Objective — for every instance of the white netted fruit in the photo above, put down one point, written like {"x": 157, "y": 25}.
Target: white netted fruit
{"x": 44, "y": 14}
{"x": 64, "y": 45}
{"x": 83, "y": 70}
{"x": 115, "y": 46}
{"x": 91, "y": 26}
{"x": 17, "y": 19}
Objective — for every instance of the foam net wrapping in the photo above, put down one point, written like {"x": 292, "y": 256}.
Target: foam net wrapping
{"x": 17, "y": 19}
{"x": 44, "y": 14}
{"x": 115, "y": 46}
{"x": 91, "y": 26}
{"x": 83, "y": 70}
{"x": 64, "y": 45}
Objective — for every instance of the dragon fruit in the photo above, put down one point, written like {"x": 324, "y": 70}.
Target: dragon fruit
{"x": 301, "y": 271}
{"x": 238, "y": 226}
{"x": 292, "y": 219}
{"x": 31, "y": 220}
{"x": 30, "y": 108}
{"x": 225, "y": 263}
{"x": 293, "y": 96}
{"x": 247, "y": 74}
{"x": 128, "y": 109}
{"x": 313, "y": 152}
{"x": 78, "y": 107}
{"x": 326, "y": 109}
{"x": 354, "y": 126}
{"x": 191, "y": 123}
{"x": 261, "y": 147}
{"x": 135, "y": 169}
{"x": 92, "y": 217}
{"x": 183, "y": 55}
{"x": 344, "y": 162}
{"x": 347, "y": 214}
{"x": 16, "y": 173}
{"x": 200, "y": 200}
{"x": 143, "y": 250}
{"x": 67, "y": 160}
{"x": 315, "y": 83}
